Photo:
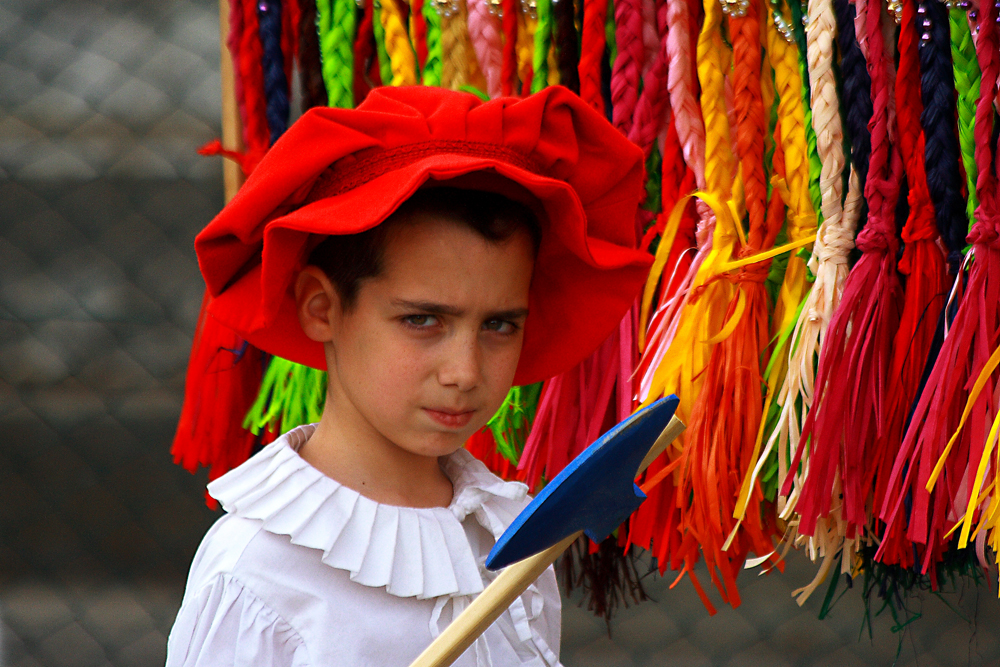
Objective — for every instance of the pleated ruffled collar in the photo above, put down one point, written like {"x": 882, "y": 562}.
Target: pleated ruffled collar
{"x": 411, "y": 552}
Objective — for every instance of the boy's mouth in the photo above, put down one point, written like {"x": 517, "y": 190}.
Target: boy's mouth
{"x": 450, "y": 418}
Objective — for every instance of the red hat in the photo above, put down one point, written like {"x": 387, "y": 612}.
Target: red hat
{"x": 342, "y": 171}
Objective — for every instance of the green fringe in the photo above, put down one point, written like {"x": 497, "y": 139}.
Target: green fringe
{"x": 512, "y": 422}
{"x": 290, "y": 395}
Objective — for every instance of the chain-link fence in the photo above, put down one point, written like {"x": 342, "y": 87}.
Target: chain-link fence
{"x": 102, "y": 105}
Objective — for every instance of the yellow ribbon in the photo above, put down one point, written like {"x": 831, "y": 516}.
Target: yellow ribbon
{"x": 984, "y": 375}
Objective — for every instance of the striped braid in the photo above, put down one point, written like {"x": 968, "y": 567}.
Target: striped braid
{"x": 310, "y": 65}
{"x": 336, "y": 28}
{"x": 484, "y": 32}
{"x": 431, "y": 73}
{"x": 651, "y": 109}
{"x": 966, "y": 70}
{"x": 681, "y": 86}
{"x": 402, "y": 60}
{"x": 938, "y": 119}
{"x": 591, "y": 52}
{"x": 627, "y": 70}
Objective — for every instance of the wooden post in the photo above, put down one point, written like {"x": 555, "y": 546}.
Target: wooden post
{"x": 232, "y": 131}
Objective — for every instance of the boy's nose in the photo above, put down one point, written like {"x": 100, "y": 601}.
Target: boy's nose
{"x": 461, "y": 366}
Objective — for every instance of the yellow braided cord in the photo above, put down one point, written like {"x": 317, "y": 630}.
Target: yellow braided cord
{"x": 712, "y": 58}
{"x": 402, "y": 60}
{"x": 784, "y": 61}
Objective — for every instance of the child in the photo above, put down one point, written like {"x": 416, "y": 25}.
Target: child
{"x": 428, "y": 250}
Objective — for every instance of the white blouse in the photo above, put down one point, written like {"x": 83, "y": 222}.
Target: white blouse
{"x": 305, "y": 571}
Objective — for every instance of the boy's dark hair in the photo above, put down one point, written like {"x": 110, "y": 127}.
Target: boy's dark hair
{"x": 349, "y": 259}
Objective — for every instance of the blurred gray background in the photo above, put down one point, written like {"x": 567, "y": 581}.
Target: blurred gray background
{"x": 102, "y": 107}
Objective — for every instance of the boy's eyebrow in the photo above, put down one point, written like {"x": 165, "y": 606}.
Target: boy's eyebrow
{"x": 443, "y": 309}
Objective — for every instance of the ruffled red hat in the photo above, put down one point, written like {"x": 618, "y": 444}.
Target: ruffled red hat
{"x": 342, "y": 171}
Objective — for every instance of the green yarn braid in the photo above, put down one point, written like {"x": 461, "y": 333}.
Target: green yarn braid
{"x": 335, "y": 24}
{"x": 384, "y": 64}
{"x": 433, "y": 65}
{"x": 967, "y": 74}
{"x": 543, "y": 44}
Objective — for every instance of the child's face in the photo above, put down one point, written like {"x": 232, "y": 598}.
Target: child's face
{"x": 428, "y": 352}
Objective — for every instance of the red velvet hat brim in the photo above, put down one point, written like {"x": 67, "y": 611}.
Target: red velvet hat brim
{"x": 586, "y": 177}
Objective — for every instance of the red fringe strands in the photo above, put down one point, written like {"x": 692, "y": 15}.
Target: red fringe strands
{"x": 923, "y": 265}
{"x": 223, "y": 377}
{"x": 961, "y": 391}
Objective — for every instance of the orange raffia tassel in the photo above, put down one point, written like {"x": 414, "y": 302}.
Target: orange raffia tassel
{"x": 725, "y": 419}
{"x": 654, "y": 525}
{"x": 851, "y": 397}
{"x": 944, "y": 479}
{"x": 926, "y": 286}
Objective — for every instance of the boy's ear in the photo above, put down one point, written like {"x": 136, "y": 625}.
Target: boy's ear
{"x": 317, "y": 303}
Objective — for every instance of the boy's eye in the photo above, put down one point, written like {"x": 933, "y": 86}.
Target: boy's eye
{"x": 420, "y": 321}
{"x": 500, "y": 326}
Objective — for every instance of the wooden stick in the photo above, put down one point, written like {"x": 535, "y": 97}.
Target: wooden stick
{"x": 511, "y": 582}
{"x": 232, "y": 131}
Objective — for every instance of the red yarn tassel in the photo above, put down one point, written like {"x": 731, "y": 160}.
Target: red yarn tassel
{"x": 223, "y": 377}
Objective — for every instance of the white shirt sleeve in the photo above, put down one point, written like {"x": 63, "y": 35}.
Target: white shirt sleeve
{"x": 225, "y": 625}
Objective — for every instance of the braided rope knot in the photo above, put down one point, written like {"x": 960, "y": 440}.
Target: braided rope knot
{"x": 801, "y": 225}
{"x": 877, "y": 237}
{"x": 751, "y": 273}
{"x": 922, "y": 224}
{"x": 986, "y": 232}
{"x": 834, "y": 246}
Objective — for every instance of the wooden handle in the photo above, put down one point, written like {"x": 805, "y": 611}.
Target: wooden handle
{"x": 511, "y": 582}
{"x": 486, "y": 608}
